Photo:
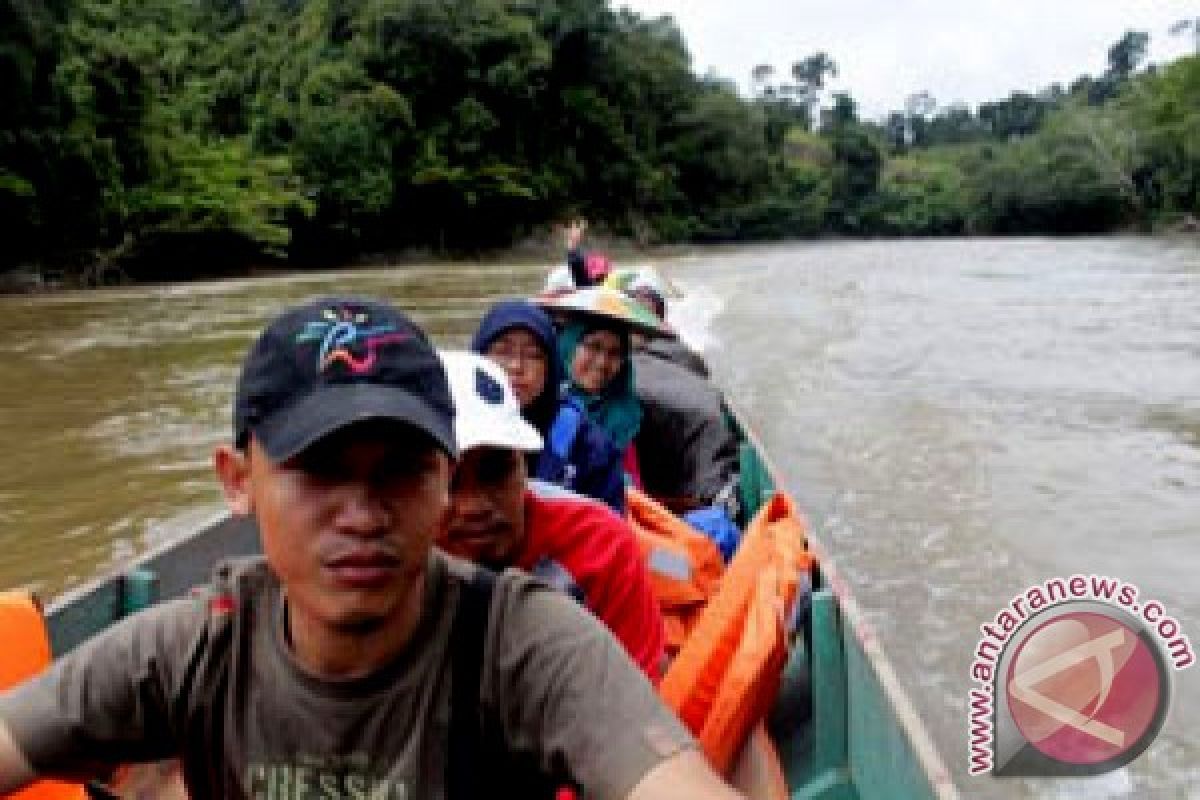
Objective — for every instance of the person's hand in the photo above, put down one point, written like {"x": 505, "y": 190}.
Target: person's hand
{"x": 685, "y": 774}
{"x": 15, "y": 771}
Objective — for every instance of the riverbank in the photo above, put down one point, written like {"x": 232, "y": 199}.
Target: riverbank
{"x": 539, "y": 249}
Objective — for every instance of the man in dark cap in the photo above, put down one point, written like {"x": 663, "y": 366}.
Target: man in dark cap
{"x": 355, "y": 660}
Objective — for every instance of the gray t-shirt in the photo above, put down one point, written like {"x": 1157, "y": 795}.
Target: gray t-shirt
{"x": 209, "y": 677}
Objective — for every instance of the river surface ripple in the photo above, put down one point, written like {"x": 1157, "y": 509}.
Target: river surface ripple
{"x": 960, "y": 419}
{"x": 963, "y": 419}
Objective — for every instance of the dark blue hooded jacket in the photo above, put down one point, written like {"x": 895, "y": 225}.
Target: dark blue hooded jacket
{"x": 578, "y": 454}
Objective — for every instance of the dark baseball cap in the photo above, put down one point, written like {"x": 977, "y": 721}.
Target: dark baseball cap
{"x": 332, "y": 362}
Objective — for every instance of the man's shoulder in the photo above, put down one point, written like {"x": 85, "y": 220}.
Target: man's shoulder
{"x": 579, "y": 530}
{"x": 552, "y": 506}
{"x": 522, "y": 605}
{"x": 451, "y": 569}
{"x": 238, "y": 581}
{"x": 655, "y": 373}
{"x": 238, "y": 594}
{"x": 677, "y": 353}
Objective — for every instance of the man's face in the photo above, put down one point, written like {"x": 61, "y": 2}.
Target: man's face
{"x": 347, "y": 524}
{"x": 487, "y": 507}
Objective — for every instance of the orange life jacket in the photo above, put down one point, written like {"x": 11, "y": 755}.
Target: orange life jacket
{"x": 726, "y": 675}
{"x": 684, "y": 565}
{"x": 26, "y": 652}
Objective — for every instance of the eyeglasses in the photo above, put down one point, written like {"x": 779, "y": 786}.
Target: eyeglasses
{"x": 515, "y": 356}
{"x": 597, "y": 349}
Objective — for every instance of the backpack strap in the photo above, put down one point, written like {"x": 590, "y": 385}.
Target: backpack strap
{"x": 466, "y": 753}
{"x": 477, "y": 764}
{"x": 554, "y": 573}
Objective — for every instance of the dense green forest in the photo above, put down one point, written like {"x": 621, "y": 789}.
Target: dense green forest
{"x": 176, "y": 136}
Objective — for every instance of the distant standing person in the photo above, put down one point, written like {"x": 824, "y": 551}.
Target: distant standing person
{"x": 586, "y": 269}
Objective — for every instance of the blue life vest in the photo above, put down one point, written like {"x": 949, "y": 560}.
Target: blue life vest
{"x": 554, "y": 465}
{"x": 714, "y": 522}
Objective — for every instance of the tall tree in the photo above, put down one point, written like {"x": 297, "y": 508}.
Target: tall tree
{"x": 808, "y": 80}
{"x": 810, "y": 72}
{"x": 895, "y": 130}
{"x": 1188, "y": 26}
{"x": 843, "y": 113}
{"x": 1127, "y": 54}
{"x": 1020, "y": 114}
{"x": 761, "y": 78}
{"x": 919, "y": 107}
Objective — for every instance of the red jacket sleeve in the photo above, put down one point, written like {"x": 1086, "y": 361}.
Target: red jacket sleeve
{"x": 626, "y": 603}
{"x": 599, "y": 550}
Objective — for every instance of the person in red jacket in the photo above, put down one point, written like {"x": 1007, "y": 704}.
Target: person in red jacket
{"x": 500, "y": 519}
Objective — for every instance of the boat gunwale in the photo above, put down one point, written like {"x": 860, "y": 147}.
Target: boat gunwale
{"x": 116, "y": 573}
{"x": 911, "y": 724}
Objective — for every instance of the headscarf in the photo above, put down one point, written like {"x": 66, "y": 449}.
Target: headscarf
{"x": 503, "y": 317}
{"x": 616, "y": 407}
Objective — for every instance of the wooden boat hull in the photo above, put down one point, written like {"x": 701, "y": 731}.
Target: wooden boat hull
{"x": 842, "y": 727}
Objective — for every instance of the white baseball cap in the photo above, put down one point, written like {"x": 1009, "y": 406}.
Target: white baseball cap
{"x": 487, "y": 413}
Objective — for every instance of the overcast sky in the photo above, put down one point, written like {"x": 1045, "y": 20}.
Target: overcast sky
{"x": 959, "y": 50}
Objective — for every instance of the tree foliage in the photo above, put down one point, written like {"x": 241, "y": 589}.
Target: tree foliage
{"x": 1164, "y": 116}
{"x": 313, "y": 130}
{"x": 921, "y": 196}
{"x": 1118, "y": 150}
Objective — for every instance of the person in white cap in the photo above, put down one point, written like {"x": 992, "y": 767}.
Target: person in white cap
{"x": 499, "y": 519}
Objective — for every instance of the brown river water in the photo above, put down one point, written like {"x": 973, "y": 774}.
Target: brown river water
{"x": 960, "y": 419}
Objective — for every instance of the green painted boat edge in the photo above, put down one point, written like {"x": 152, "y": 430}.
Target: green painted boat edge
{"x": 864, "y": 740}
{"x": 868, "y": 740}
{"x": 168, "y": 570}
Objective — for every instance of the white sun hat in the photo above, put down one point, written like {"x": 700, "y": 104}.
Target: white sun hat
{"x": 559, "y": 279}
{"x": 487, "y": 412}
{"x": 648, "y": 278}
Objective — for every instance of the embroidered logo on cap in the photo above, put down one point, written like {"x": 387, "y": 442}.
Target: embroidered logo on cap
{"x": 347, "y": 337}
{"x": 488, "y": 389}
